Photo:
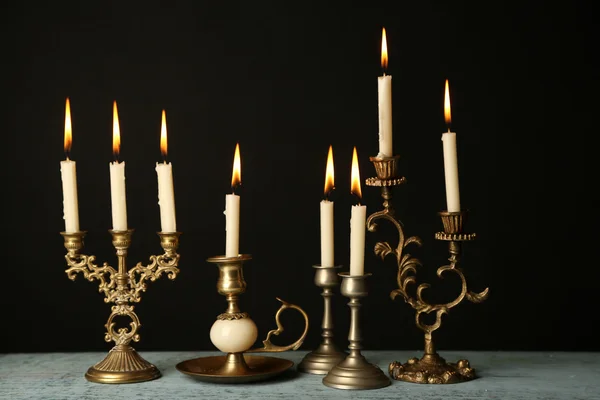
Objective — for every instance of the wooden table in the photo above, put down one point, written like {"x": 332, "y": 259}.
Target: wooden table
{"x": 502, "y": 375}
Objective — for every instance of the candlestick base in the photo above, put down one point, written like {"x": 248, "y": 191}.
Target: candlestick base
{"x": 234, "y": 368}
{"x": 432, "y": 369}
{"x": 355, "y": 372}
{"x": 321, "y": 360}
{"x": 122, "y": 365}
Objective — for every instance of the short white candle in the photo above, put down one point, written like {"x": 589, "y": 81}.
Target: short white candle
{"x": 69, "y": 179}
{"x": 357, "y": 224}
{"x": 384, "y": 92}
{"x": 166, "y": 196}
{"x": 450, "y": 159}
{"x": 232, "y": 210}
{"x": 117, "y": 180}
{"x": 327, "y": 245}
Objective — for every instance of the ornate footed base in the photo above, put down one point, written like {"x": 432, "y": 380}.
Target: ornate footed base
{"x": 321, "y": 360}
{"x": 432, "y": 369}
{"x": 122, "y": 365}
{"x": 355, "y": 372}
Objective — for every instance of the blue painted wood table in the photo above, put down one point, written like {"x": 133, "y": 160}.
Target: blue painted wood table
{"x": 502, "y": 375}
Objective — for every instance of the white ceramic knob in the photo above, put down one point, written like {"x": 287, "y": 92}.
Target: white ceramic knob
{"x": 233, "y": 336}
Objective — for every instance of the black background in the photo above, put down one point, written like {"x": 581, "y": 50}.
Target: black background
{"x": 286, "y": 81}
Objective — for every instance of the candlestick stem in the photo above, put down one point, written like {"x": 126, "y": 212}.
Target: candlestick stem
{"x": 121, "y": 287}
{"x": 327, "y": 355}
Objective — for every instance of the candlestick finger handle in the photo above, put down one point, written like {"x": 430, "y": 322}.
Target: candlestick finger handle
{"x": 268, "y": 346}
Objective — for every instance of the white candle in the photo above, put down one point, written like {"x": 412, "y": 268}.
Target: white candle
{"x": 327, "y": 246}
{"x": 357, "y": 239}
{"x": 117, "y": 180}
{"x": 117, "y": 195}
{"x": 232, "y": 213}
{"x": 166, "y": 198}
{"x": 384, "y": 91}
{"x": 357, "y": 224}
{"x": 450, "y": 160}
{"x": 232, "y": 210}
{"x": 69, "y": 179}
{"x": 164, "y": 173}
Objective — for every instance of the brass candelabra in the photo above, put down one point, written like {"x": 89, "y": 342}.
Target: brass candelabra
{"x": 431, "y": 368}
{"x": 234, "y": 333}
{"x": 327, "y": 355}
{"x": 123, "y": 288}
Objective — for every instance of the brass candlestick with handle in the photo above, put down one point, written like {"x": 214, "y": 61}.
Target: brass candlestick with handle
{"x": 123, "y": 288}
{"x": 431, "y": 368}
{"x": 234, "y": 333}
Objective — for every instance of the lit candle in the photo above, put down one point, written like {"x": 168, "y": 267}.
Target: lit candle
{"x": 384, "y": 86}
{"x": 357, "y": 224}
{"x": 450, "y": 159}
{"x": 327, "y": 215}
{"x": 164, "y": 172}
{"x": 232, "y": 209}
{"x": 69, "y": 179}
{"x": 117, "y": 179}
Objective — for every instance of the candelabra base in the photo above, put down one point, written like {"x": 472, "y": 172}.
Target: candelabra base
{"x": 355, "y": 372}
{"x": 432, "y": 369}
{"x": 321, "y": 360}
{"x": 122, "y": 365}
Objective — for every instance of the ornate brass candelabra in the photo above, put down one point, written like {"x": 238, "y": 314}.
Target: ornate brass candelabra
{"x": 431, "y": 368}
{"x": 327, "y": 355}
{"x": 122, "y": 287}
{"x": 234, "y": 333}
{"x": 354, "y": 371}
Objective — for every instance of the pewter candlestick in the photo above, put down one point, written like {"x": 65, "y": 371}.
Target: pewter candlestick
{"x": 327, "y": 355}
{"x": 355, "y": 372}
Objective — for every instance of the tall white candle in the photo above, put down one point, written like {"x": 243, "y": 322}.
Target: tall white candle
{"x": 117, "y": 179}
{"x": 384, "y": 92}
{"x": 164, "y": 173}
{"x": 450, "y": 159}
{"x": 232, "y": 210}
{"x": 327, "y": 246}
{"x": 357, "y": 224}
{"x": 69, "y": 179}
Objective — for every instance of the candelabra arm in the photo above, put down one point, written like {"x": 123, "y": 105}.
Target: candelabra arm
{"x": 269, "y": 347}
{"x": 159, "y": 264}
{"x": 85, "y": 264}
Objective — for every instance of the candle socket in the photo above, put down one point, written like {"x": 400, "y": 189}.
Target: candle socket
{"x": 327, "y": 355}
{"x": 122, "y": 287}
{"x": 234, "y": 333}
{"x": 431, "y": 368}
{"x": 354, "y": 371}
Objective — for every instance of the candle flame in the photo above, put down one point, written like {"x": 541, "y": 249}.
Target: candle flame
{"x": 68, "y": 129}
{"x": 116, "y": 132}
{"x": 447, "y": 115}
{"x": 163, "y": 135}
{"x": 355, "y": 183}
{"x": 236, "y": 176}
{"x": 384, "y": 51}
{"x": 329, "y": 181}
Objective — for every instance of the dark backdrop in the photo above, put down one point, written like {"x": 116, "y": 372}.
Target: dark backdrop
{"x": 286, "y": 82}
